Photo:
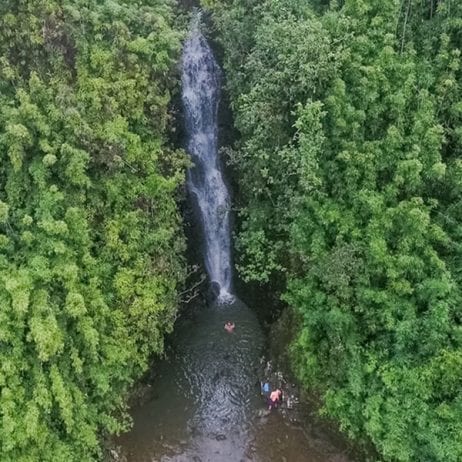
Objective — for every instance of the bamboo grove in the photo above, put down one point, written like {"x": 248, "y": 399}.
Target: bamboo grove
{"x": 91, "y": 249}
{"x": 348, "y": 116}
{"x": 349, "y": 170}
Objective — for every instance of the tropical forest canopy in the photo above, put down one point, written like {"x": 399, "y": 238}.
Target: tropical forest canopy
{"x": 350, "y": 174}
{"x": 91, "y": 250}
{"x": 348, "y": 162}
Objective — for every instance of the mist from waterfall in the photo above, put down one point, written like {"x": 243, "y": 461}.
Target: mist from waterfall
{"x": 201, "y": 81}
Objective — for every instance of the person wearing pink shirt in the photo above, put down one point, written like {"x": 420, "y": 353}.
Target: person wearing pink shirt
{"x": 274, "y": 399}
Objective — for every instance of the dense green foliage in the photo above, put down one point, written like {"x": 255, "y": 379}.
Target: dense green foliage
{"x": 90, "y": 241}
{"x": 350, "y": 174}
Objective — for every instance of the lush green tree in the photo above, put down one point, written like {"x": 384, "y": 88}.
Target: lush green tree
{"x": 90, "y": 241}
{"x": 349, "y": 185}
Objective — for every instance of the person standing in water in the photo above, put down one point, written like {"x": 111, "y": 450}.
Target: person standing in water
{"x": 265, "y": 389}
{"x": 274, "y": 399}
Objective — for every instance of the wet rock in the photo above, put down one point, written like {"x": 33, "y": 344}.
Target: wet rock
{"x": 115, "y": 455}
{"x": 263, "y": 413}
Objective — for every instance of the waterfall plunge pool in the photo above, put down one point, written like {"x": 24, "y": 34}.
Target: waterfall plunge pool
{"x": 204, "y": 404}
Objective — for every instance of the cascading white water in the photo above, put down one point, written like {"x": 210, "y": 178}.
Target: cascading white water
{"x": 201, "y": 94}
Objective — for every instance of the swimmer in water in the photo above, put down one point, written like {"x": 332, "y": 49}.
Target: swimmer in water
{"x": 229, "y": 327}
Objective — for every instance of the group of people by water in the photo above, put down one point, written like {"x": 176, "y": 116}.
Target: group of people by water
{"x": 273, "y": 397}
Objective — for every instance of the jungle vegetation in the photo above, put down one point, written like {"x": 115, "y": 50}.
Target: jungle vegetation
{"x": 349, "y": 170}
{"x": 91, "y": 247}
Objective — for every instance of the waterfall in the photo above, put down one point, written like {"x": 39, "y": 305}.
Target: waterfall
{"x": 201, "y": 82}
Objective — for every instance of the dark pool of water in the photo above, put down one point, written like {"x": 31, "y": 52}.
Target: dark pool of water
{"x": 204, "y": 404}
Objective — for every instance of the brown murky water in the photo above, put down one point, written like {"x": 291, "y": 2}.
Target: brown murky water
{"x": 205, "y": 403}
